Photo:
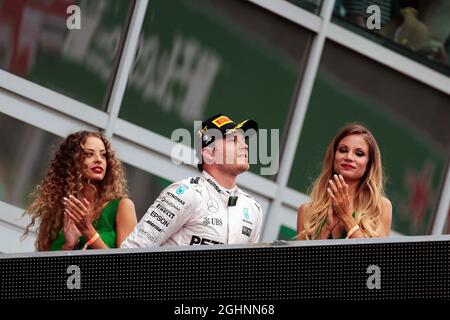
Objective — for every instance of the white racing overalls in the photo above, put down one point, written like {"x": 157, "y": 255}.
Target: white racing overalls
{"x": 198, "y": 211}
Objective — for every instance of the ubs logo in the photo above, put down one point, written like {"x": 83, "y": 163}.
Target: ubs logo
{"x": 213, "y": 221}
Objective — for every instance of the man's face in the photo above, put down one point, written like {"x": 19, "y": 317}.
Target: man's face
{"x": 230, "y": 153}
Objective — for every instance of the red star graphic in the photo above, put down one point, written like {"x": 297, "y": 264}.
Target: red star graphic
{"x": 420, "y": 192}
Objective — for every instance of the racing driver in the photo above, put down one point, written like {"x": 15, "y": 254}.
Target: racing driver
{"x": 209, "y": 208}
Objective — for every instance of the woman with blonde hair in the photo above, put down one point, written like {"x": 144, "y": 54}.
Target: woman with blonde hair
{"x": 82, "y": 201}
{"x": 347, "y": 199}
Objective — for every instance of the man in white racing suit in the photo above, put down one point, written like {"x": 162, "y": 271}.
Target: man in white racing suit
{"x": 209, "y": 208}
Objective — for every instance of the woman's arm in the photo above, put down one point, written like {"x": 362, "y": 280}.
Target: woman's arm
{"x": 81, "y": 214}
{"x": 386, "y": 217}
{"x": 300, "y": 226}
{"x": 386, "y": 220}
{"x": 125, "y": 223}
{"x": 126, "y": 220}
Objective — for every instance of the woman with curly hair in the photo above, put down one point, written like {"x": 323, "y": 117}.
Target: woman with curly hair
{"x": 347, "y": 199}
{"x": 82, "y": 201}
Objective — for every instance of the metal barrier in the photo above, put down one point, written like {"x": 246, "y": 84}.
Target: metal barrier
{"x": 356, "y": 269}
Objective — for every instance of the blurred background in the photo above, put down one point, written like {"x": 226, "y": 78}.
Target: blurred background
{"x": 137, "y": 70}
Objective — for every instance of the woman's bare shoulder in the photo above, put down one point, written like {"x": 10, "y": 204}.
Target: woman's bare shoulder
{"x": 304, "y": 206}
{"x": 386, "y": 203}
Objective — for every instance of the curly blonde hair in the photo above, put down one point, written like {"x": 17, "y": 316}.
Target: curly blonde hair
{"x": 369, "y": 192}
{"x": 64, "y": 178}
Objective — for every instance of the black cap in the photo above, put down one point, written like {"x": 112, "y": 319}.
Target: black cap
{"x": 225, "y": 125}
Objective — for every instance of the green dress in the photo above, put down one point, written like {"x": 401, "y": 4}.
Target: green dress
{"x": 105, "y": 226}
{"x": 324, "y": 221}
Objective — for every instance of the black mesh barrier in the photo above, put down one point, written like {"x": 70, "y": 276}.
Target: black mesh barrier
{"x": 359, "y": 271}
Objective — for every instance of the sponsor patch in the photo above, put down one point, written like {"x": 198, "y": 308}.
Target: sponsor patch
{"x": 166, "y": 211}
{"x": 212, "y": 221}
{"x": 214, "y": 185}
{"x": 150, "y": 236}
{"x": 195, "y": 180}
{"x": 160, "y": 219}
{"x": 181, "y": 189}
{"x": 176, "y": 198}
{"x": 221, "y": 121}
{"x": 154, "y": 226}
{"x": 170, "y": 204}
{"x": 246, "y": 214}
{"x": 203, "y": 241}
{"x": 246, "y": 231}
{"x": 213, "y": 206}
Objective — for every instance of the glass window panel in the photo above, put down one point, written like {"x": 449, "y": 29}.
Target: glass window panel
{"x": 310, "y": 5}
{"x": 26, "y": 152}
{"x": 26, "y": 155}
{"x": 410, "y": 121}
{"x": 36, "y": 44}
{"x": 287, "y": 227}
{"x": 419, "y": 29}
{"x": 198, "y": 58}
